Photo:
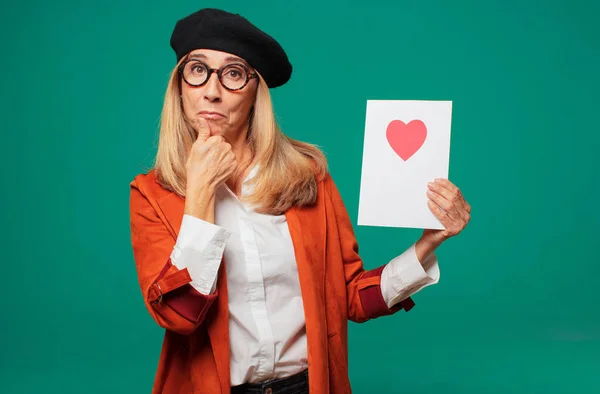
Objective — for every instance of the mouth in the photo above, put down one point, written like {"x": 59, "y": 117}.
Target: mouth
{"x": 212, "y": 115}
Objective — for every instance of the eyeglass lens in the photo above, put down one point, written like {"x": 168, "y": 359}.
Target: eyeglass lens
{"x": 233, "y": 76}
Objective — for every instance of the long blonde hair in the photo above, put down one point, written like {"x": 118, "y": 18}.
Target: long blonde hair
{"x": 288, "y": 169}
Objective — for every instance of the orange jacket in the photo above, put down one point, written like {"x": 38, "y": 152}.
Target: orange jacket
{"x": 195, "y": 352}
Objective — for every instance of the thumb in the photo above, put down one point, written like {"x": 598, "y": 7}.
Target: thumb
{"x": 203, "y": 130}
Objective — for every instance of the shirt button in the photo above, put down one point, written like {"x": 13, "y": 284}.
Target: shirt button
{"x": 269, "y": 391}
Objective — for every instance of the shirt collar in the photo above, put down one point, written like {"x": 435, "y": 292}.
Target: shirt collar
{"x": 246, "y": 188}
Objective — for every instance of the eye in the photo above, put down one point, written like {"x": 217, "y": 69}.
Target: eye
{"x": 234, "y": 72}
{"x": 195, "y": 68}
{"x": 198, "y": 69}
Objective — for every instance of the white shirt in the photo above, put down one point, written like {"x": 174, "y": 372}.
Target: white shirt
{"x": 266, "y": 317}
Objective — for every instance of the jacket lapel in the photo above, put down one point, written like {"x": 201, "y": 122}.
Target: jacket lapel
{"x": 307, "y": 226}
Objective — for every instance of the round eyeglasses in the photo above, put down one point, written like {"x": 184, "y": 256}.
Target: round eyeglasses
{"x": 232, "y": 76}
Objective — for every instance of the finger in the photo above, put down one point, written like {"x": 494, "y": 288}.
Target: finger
{"x": 446, "y": 184}
{"x": 215, "y": 139}
{"x": 203, "y": 129}
{"x": 445, "y": 204}
{"x": 439, "y": 213}
{"x": 451, "y": 228}
{"x": 458, "y": 218}
{"x": 445, "y": 188}
{"x": 452, "y": 193}
{"x": 230, "y": 157}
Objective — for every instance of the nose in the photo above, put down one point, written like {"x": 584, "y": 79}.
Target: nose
{"x": 212, "y": 89}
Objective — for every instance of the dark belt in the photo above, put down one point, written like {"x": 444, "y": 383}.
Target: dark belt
{"x": 296, "y": 382}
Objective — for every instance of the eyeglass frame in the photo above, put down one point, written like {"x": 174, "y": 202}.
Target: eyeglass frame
{"x": 219, "y": 72}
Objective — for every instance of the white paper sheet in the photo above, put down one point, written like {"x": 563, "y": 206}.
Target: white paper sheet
{"x": 406, "y": 145}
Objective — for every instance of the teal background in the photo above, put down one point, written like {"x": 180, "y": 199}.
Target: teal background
{"x": 516, "y": 308}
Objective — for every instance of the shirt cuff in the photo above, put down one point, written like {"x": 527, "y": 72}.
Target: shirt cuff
{"x": 199, "y": 248}
{"x": 405, "y": 275}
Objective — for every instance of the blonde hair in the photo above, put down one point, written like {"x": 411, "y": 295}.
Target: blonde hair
{"x": 289, "y": 169}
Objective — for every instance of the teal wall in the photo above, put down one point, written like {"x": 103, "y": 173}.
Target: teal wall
{"x": 516, "y": 308}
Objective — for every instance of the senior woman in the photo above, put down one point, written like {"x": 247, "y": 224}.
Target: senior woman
{"x": 244, "y": 250}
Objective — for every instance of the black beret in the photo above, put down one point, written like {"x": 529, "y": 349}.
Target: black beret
{"x": 210, "y": 28}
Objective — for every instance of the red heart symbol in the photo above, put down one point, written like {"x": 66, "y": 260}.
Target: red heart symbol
{"x": 406, "y": 139}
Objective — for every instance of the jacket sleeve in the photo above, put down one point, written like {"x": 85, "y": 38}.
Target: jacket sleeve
{"x": 168, "y": 295}
{"x": 363, "y": 287}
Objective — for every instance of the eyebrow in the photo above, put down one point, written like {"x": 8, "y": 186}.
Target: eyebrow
{"x": 227, "y": 59}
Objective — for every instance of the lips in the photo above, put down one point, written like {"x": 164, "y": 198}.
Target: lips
{"x": 212, "y": 115}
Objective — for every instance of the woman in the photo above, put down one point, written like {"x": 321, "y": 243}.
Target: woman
{"x": 244, "y": 250}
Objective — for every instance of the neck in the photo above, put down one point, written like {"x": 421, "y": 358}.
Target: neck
{"x": 244, "y": 159}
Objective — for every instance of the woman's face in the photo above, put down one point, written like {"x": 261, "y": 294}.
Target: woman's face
{"x": 227, "y": 111}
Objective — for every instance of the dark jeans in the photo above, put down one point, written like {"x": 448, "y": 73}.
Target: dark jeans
{"x": 295, "y": 384}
